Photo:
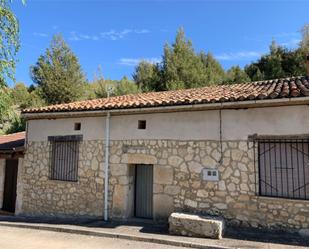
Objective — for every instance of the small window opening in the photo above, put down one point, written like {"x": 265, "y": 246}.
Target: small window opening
{"x": 77, "y": 126}
{"x": 142, "y": 124}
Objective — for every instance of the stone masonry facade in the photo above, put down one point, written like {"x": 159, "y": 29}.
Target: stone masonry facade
{"x": 178, "y": 183}
{"x": 42, "y": 196}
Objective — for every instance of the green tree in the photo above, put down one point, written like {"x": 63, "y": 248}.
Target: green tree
{"x": 126, "y": 86}
{"x": 101, "y": 86}
{"x": 279, "y": 63}
{"x": 214, "y": 71}
{"x": 9, "y": 46}
{"x": 5, "y": 103}
{"x": 21, "y": 95}
{"x": 236, "y": 75}
{"x": 25, "y": 97}
{"x": 58, "y": 73}
{"x": 9, "y": 41}
{"x": 146, "y": 76}
{"x": 182, "y": 67}
{"x": 254, "y": 72}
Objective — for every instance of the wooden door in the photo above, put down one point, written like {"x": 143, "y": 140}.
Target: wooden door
{"x": 144, "y": 191}
{"x": 10, "y": 183}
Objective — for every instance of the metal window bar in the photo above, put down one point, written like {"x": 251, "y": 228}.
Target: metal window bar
{"x": 64, "y": 160}
{"x": 284, "y": 168}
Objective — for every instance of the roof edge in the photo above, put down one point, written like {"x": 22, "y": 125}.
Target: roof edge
{"x": 174, "y": 108}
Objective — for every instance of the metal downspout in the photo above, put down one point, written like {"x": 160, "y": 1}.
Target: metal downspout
{"x": 106, "y": 164}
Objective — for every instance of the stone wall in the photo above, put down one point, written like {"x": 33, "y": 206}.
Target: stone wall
{"x": 2, "y": 178}
{"x": 42, "y": 196}
{"x": 19, "y": 186}
{"x": 178, "y": 183}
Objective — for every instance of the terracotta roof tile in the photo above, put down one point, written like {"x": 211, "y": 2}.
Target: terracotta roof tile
{"x": 11, "y": 141}
{"x": 269, "y": 89}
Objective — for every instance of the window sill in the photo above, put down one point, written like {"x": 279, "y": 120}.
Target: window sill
{"x": 62, "y": 181}
{"x": 273, "y": 198}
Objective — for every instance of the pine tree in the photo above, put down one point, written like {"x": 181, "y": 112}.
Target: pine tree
{"x": 214, "y": 71}
{"x": 58, "y": 73}
{"x": 182, "y": 67}
{"x": 145, "y": 75}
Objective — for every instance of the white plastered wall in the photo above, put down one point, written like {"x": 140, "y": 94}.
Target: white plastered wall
{"x": 194, "y": 125}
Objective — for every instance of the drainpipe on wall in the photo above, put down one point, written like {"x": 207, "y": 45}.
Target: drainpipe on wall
{"x": 106, "y": 166}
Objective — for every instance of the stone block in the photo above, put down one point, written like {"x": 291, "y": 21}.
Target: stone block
{"x": 163, "y": 206}
{"x": 138, "y": 159}
{"x": 175, "y": 161}
{"x": 195, "y": 225}
{"x": 163, "y": 175}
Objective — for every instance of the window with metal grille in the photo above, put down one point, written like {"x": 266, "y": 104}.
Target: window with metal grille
{"x": 64, "y": 157}
{"x": 284, "y": 168}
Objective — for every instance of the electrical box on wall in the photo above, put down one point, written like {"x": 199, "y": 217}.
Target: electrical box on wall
{"x": 210, "y": 175}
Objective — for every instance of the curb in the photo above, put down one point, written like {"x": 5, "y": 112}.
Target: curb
{"x": 170, "y": 242}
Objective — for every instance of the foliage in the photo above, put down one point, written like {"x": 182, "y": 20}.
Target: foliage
{"x": 58, "y": 73}
{"x": 9, "y": 41}
{"x": 236, "y": 75}
{"x": 17, "y": 124}
{"x": 5, "y": 104}
{"x": 181, "y": 67}
{"x": 281, "y": 62}
{"x": 26, "y": 97}
{"x": 145, "y": 76}
{"x": 125, "y": 86}
{"x": 214, "y": 71}
{"x": 16, "y": 99}
{"x": 101, "y": 86}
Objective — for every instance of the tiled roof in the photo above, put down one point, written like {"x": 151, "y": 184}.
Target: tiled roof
{"x": 269, "y": 89}
{"x": 12, "y": 141}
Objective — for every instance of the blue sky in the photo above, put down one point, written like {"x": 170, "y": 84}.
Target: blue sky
{"x": 117, "y": 34}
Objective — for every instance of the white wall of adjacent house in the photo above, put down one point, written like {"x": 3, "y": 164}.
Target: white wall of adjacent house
{"x": 237, "y": 124}
{"x": 2, "y": 177}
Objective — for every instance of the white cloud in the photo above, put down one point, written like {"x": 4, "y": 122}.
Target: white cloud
{"x": 291, "y": 43}
{"x": 74, "y": 36}
{"x": 40, "y": 34}
{"x": 110, "y": 35}
{"x": 242, "y": 55}
{"x": 135, "y": 61}
{"x": 117, "y": 35}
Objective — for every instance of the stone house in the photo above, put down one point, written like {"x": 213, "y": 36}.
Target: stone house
{"x": 11, "y": 159}
{"x": 238, "y": 151}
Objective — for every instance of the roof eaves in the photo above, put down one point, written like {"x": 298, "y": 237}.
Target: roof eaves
{"x": 170, "y": 108}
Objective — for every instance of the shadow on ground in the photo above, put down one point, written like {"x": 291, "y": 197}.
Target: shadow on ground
{"x": 149, "y": 227}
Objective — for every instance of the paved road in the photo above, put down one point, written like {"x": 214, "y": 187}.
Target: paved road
{"x": 20, "y": 238}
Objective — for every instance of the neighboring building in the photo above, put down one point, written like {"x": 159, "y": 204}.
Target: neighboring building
{"x": 11, "y": 156}
{"x": 240, "y": 151}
